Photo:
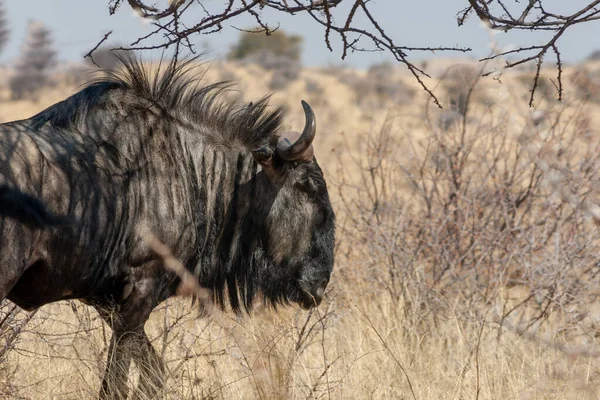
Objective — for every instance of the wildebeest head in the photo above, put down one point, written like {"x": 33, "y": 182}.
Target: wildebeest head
{"x": 300, "y": 222}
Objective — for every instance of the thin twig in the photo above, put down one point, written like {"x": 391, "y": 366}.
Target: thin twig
{"x": 89, "y": 53}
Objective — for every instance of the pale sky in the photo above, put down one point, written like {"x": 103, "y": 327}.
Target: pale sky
{"x": 77, "y": 25}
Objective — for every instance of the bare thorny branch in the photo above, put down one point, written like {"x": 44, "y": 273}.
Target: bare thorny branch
{"x": 169, "y": 23}
{"x": 343, "y": 23}
{"x": 531, "y": 16}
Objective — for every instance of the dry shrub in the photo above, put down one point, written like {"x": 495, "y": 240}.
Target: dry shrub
{"x": 487, "y": 231}
{"x": 457, "y": 82}
{"x": 317, "y": 94}
{"x": 285, "y": 70}
{"x": 312, "y": 87}
{"x": 385, "y": 82}
{"x": 12, "y": 322}
{"x": 482, "y": 226}
{"x": 545, "y": 89}
{"x": 381, "y": 85}
{"x": 587, "y": 83}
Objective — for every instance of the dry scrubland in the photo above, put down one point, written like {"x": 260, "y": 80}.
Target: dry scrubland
{"x": 467, "y": 265}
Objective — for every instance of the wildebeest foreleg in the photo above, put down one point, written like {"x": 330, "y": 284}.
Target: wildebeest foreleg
{"x": 151, "y": 370}
{"x": 16, "y": 243}
{"x": 129, "y": 340}
{"x": 127, "y": 346}
{"x": 114, "y": 384}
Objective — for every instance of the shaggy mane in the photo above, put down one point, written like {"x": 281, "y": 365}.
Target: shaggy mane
{"x": 175, "y": 88}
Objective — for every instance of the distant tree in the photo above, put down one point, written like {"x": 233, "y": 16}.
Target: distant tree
{"x": 3, "y": 27}
{"x": 278, "y": 43}
{"x": 278, "y": 52}
{"x": 594, "y": 55}
{"x": 106, "y": 57}
{"x": 381, "y": 84}
{"x": 37, "y": 58}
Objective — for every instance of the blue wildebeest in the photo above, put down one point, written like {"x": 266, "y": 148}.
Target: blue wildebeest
{"x": 241, "y": 204}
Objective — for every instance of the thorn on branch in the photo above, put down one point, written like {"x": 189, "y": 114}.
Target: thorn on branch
{"x": 535, "y": 79}
{"x": 559, "y": 87}
{"x": 90, "y": 53}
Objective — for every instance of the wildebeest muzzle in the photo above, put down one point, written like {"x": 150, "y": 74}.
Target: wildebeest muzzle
{"x": 312, "y": 295}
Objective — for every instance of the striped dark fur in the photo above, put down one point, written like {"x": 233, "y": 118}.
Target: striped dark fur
{"x": 25, "y": 209}
{"x": 165, "y": 151}
{"x": 176, "y": 90}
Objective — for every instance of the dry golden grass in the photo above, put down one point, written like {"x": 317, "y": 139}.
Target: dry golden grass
{"x": 363, "y": 352}
{"x": 368, "y": 340}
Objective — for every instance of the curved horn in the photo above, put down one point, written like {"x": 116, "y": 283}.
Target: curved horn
{"x": 293, "y": 151}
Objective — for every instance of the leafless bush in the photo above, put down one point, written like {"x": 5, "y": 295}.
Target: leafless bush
{"x": 545, "y": 88}
{"x": 459, "y": 82}
{"x": 12, "y": 322}
{"x": 587, "y": 83}
{"x": 313, "y": 87}
{"x": 316, "y": 93}
{"x": 451, "y": 222}
{"x": 283, "y": 77}
{"x": 385, "y": 82}
{"x": 285, "y": 69}
{"x": 381, "y": 85}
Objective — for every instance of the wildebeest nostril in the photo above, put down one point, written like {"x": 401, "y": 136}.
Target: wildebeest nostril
{"x": 320, "y": 292}
{"x": 312, "y": 297}
{"x": 324, "y": 283}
